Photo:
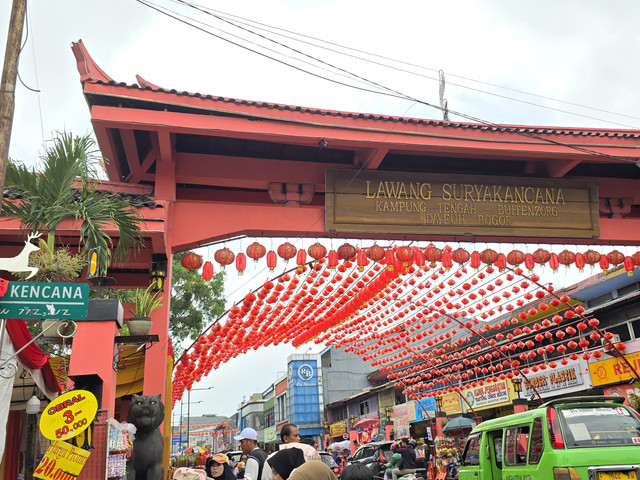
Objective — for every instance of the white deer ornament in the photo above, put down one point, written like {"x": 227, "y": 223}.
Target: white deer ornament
{"x": 20, "y": 263}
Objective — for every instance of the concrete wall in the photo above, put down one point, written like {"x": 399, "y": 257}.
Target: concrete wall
{"x": 343, "y": 374}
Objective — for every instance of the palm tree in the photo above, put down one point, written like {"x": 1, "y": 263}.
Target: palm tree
{"x": 66, "y": 188}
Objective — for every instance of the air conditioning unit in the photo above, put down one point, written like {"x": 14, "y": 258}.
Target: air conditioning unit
{"x": 614, "y": 340}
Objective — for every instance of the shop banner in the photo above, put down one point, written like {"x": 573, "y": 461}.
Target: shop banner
{"x": 556, "y": 380}
{"x": 425, "y": 409}
{"x": 400, "y": 420}
{"x": 337, "y": 429}
{"x": 613, "y": 370}
{"x": 451, "y": 403}
{"x": 61, "y": 461}
{"x": 68, "y": 415}
{"x": 488, "y": 395}
{"x": 270, "y": 434}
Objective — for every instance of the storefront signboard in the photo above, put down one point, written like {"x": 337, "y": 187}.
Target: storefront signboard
{"x": 556, "y": 381}
{"x": 489, "y": 395}
{"x": 613, "y": 370}
{"x": 337, "y": 429}
{"x": 451, "y": 403}
{"x": 61, "y": 460}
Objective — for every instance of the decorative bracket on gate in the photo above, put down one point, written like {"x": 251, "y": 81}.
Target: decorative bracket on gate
{"x": 286, "y": 193}
{"x": 615, "y": 207}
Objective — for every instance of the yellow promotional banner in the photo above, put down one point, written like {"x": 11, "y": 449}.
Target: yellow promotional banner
{"x": 61, "y": 461}
{"x": 337, "y": 429}
{"x": 451, "y": 403}
{"x": 614, "y": 370}
{"x": 68, "y": 415}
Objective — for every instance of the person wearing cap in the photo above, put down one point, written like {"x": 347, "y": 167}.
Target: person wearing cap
{"x": 256, "y": 457}
{"x": 218, "y": 467}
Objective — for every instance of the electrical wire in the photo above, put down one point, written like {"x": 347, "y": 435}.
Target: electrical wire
{"x": 398, "y": 94}
{"x": 222, "y": 15}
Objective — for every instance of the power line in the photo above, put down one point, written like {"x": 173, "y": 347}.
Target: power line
{"x": 221, "y": 15}
{"x": 389, "y": 91}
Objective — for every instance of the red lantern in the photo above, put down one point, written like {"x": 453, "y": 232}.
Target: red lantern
{"x": 405, "y": 255}
{"x": 191, "y": 261}
{"x": 241, "y": 263}
{"x": 616, "y": 257}
{"x": 272, "y": 260}
{"x": 346, "y": 251}
{"x": 580, "y": 261}
{"x": 207, "y": 271}
{"x": 224, "y": 256}
{"x": 489, "y": 256}
{"x": 447, "y": 261}
{"x": 286, "y": 251}
{"x": 460, "y": 255}
{"x": 604, "y": 263}
{"x": 332, "y": 260}
{"x": 390, "y": 258}
{"x": 629, "y": 265}
{"x": 591, "y": 257}
{"x": 433, "y": 254}
{"x": 317, "y": 251}
{"x": 363, "y": 261}
{"x": 475, "y": 260}
{"x": 566, "y": 257}
{"x": 541, "y": 256}
{"x": 529, "y": 262}
{"x": 554, "y": 262}
{"x": 501, "y": 262}
{"x": 375, "y": 253}
{"x": 301, "y": 260}
{"x": 515, "y": 257}
{"x": 255, "y": 251}
{"x": 636, "y": 258}
{"x": 418, "y": 257}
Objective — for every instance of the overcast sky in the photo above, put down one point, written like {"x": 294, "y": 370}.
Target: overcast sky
{"x": 552, "y": 57}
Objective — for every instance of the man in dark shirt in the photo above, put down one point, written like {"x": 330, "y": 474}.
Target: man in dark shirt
{"x": 408, "y": 464}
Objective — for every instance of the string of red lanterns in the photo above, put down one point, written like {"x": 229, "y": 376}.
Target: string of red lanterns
{"x": 417, "y": 313}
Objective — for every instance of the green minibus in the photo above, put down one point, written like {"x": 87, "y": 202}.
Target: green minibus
{"x": 576, "y": 438}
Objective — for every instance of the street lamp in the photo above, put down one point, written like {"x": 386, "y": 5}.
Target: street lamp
{"x": 387, "y": 412}
{"x": 439, "y": 403}
{"x": 189, "y": 412}
{"x": 517, "y": 385}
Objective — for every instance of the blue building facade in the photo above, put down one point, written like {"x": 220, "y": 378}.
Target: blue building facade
{"x": 305, "y": 394}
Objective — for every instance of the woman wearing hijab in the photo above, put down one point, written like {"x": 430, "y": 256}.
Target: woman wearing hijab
{"x": 313, "y": 470}
{"x": 284, "y": 462}
{"x": 218, "y": 467}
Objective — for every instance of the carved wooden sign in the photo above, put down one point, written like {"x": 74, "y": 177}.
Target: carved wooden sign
{"x": 423, "y": 203}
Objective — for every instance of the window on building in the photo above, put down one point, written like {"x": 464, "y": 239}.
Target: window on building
{"x": 364, "y": 407}
{"x": 628, "y": 289}
{"x": 325, "y": 360}
{"x": 635, "y": 325}
{"x": 621, "y": 330}
{"x": 601, "y": 300}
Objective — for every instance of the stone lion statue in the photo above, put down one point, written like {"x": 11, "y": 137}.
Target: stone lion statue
{"x": 146, "y": 412}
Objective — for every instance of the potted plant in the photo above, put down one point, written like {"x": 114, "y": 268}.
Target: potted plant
{"x": 146, "y": 301}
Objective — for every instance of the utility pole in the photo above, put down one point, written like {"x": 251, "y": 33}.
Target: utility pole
{"x": 8, "y": 83}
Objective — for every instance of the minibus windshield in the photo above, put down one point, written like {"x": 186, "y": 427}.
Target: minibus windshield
{"x": 593, "y": 426}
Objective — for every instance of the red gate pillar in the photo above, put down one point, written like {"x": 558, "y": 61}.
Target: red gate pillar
{"x": 94, "y": 349}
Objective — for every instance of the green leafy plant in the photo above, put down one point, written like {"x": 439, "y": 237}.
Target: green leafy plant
{"x": 54, "y": 264}
{"x": 146, "y": 301}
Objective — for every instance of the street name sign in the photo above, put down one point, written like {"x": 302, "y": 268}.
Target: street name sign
{"x": 45, "y": 300}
